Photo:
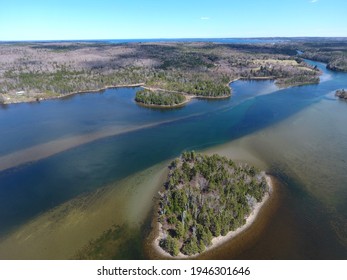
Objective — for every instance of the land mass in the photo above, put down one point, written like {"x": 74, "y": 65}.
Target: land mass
{"x": 37, "y": 71}
{"x": 153, "y": 98}
{"x": 341, "y": 93}
{"x": 204, "y": 198}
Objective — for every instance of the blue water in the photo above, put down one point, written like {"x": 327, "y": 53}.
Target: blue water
{"x": 31, "y": 189}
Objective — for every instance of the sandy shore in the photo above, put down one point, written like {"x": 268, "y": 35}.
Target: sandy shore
{"x": 218, "y": 241}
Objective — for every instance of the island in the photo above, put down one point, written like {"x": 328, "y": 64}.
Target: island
{"x": 341, "y": 93}
{"x": 155, "y": 98}
{"x": 204, "y": 198}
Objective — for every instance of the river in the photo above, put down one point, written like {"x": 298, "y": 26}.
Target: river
{"x": 72, "y": 168}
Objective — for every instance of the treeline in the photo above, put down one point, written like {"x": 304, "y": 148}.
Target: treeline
{"x": 149, "y": 97}
{"x": 333, "y": 53}
{"x": 285, "y": 76}
{"x": 199, "y": 84}
{"x": 201, "y": 69}
{"x": 205, "y": 88}
{"x": 335, "y": 61}
{"x": 205, "y": 197}
{"x": 65, "y": 81}
{"x": 338, "y": 64}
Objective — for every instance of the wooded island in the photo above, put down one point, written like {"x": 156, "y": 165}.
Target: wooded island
{"x": 206, "y": 197}
{"x": 157, "y": 98}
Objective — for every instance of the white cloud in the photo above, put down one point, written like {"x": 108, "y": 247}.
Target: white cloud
{"x": 204, "y": 18}
{"x": 313, "y": 1}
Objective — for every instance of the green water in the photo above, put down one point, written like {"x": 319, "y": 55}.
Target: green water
{"x": 298, "y": 133}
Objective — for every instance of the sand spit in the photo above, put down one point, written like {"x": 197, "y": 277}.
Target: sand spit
{"x": 51, "y": 148}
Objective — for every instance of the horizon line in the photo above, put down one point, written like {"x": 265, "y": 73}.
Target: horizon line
{"x": 174, "y": 38}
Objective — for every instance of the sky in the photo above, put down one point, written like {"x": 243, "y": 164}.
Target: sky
{"x": 147, "y": 19}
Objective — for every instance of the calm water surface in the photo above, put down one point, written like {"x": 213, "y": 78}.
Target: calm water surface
{"x": 299, "y": 133}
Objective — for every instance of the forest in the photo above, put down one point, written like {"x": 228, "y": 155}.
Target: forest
{"x": 47, "y": 70}
{"x": 205, "y": 197}
{"x": 332, "y": 51}
{"x": 149, "y": 97}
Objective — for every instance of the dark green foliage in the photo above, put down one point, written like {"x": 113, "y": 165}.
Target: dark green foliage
{"x": 170, "y": 245}
{"x": 207, "y": 196}
{"x": 149, "y": 97}
{"x": 199, "y": 84}
{"x": 190, "y": 247}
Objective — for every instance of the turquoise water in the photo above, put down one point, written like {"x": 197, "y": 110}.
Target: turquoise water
{"x": 28, "y": 190}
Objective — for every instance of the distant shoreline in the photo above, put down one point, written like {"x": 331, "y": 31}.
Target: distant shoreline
{"x": 59, "y": 96}
{"x": 188, "y": 96}
{"x": 217, "y": 241}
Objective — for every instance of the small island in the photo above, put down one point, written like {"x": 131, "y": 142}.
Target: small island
{"x": 155, "y": 98}
{"x": 341, "y": 93}
{"x": 206, "y": 197}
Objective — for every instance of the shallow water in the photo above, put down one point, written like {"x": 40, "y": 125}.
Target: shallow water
{"x": 296, "y": 134}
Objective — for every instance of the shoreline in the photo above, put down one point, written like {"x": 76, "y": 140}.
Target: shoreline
{"x": 188, "y": 97}
{"x": 143, "y": 85}
{"x": 59, "y": 96}
{"x": 220, "y": 240}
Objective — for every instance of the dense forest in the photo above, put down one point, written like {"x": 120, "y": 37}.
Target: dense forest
{"x": 149, "y": 97}
{"x": 205, "y": 197}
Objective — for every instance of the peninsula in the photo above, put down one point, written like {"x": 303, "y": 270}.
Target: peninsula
{"x": 204, "y": 199}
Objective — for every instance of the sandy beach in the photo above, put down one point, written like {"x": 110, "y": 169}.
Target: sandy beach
{"x": 220, "y": 240}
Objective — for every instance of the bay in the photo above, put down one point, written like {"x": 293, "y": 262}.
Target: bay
{"x": 296, "y": 134}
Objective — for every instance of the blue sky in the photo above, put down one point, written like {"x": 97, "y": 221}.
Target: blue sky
{"x": 130, "y": 19}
